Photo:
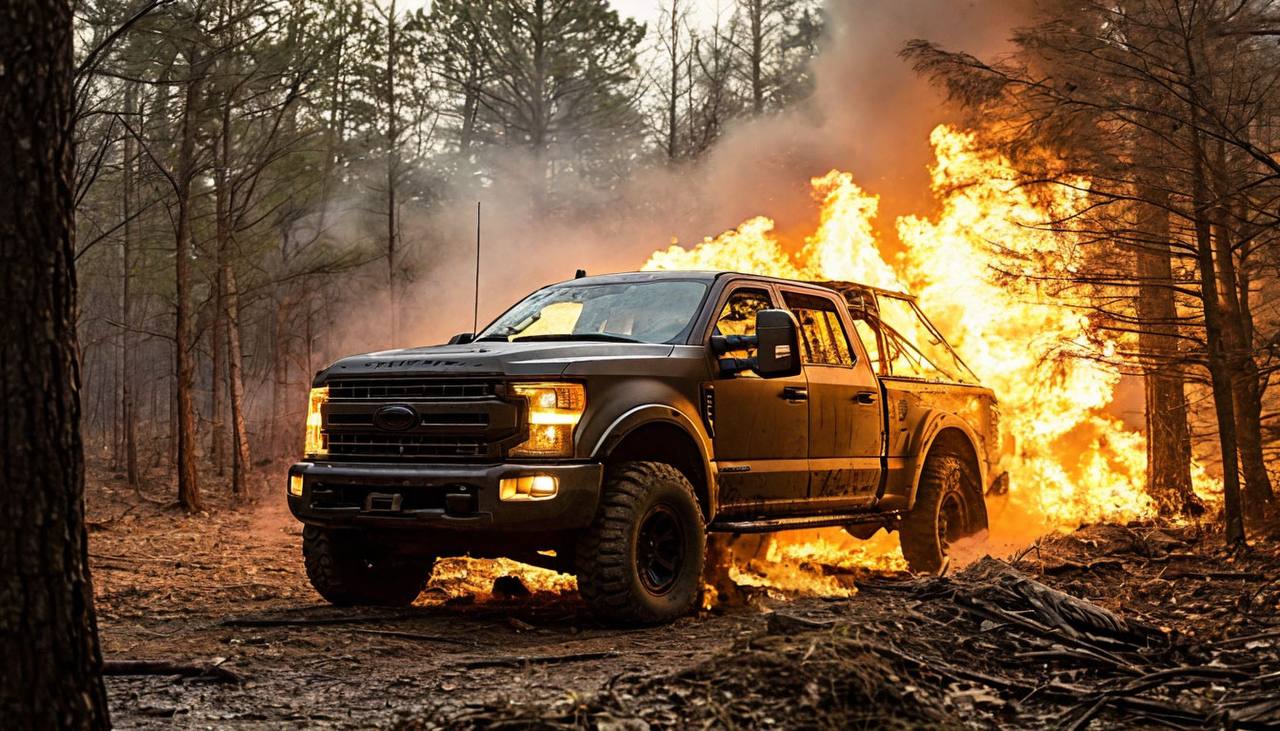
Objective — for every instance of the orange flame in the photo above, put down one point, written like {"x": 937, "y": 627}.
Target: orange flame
{"x": 1073, "y": 463}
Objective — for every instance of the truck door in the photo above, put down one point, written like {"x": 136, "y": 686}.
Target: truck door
{"x": 761, "y": 426}
{"x": 845, "y": 408}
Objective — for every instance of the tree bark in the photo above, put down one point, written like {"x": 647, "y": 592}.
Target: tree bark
{"x": 235, "y": 378}
{"x": 48, "y": 633}
{"x": 673, "y": 91}
{"x": 1219, "y": 372}
{"x": 393, "y": 175}
{"x": 188, "y": 486}
{"x": 127, "y": 408}
{"x": 1168, "y": 438}
{"x": 1246, "y": 392}
{"x": 755, "y": 11}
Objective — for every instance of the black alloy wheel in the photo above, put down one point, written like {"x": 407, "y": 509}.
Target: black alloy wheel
{"x": 640, "y": 561}
{"x": 660, "y": 549}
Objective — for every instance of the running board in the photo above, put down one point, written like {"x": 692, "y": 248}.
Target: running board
{"x": 769, "y": 525}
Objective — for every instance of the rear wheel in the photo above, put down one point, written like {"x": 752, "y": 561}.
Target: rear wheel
{"x": 641, "y": 560}
{"x": 948, "y": 508}
{"x": 347, "y": 570}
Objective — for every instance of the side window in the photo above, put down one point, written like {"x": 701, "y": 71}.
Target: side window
{"x": 869, "y": 340}
{"x": 824, "y": 339}
{"x": 739, "y": 316}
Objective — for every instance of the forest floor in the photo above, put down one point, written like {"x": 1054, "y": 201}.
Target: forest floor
{"x": 1110, "y": 625}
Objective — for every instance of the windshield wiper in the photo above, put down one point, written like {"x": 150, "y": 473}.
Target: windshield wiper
{"x": 605, "y": 337}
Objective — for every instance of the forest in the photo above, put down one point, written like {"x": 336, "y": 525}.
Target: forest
{"x": 210, "y": 201}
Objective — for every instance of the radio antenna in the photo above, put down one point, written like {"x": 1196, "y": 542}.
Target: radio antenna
{"x": 475, "y": 312}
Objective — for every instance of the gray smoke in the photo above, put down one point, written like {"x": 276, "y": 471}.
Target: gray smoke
{"x": 869, "y": 114}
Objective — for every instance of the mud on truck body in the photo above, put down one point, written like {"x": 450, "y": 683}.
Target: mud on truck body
{"x": 605, "y": 425}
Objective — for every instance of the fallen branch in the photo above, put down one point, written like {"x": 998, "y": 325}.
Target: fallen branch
{"x": 522, "y": 660}
{"x": 213, "y": 672}
{"x": 413, "y": 636}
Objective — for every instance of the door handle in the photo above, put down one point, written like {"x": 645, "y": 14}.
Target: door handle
{"x": 865, "y": 397}
{"x": 795, "y": 393}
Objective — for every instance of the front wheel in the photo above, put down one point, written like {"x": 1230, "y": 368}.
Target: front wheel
{"x": 948, "y": 507}
{"x": 346, "y": 570}
{"x": 640, "y": 561}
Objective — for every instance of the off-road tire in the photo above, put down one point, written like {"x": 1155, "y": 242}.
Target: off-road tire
{"x": 346, "y": 570}
{"x": 642, "y": 499}
{"x": 948, "y": 507}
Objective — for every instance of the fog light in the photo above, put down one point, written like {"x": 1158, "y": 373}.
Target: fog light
{"x": 529, "y": 487}
{"x": 295, "y": 485}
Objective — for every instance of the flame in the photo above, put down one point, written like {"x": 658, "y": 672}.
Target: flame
{"x": 1073, "y": 463}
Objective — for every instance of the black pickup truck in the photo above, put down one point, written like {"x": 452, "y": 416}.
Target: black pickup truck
{"x": 604, "y": 425}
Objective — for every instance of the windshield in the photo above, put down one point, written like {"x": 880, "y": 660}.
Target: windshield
{"x": 637, "y": 312}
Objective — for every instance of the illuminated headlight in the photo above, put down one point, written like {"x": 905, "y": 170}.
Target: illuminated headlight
{"x": 530, "y": 487}
{"x": 317, "y": 444}
{"x": 295, "y": 485}
{"x": 554, "y": 412}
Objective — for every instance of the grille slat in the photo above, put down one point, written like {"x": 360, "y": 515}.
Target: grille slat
{"x": 407, "y": 445}
{"x": 409, "y": 388}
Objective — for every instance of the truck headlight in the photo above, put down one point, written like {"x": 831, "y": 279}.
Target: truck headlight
{"x": 317, "y": 444}
{"x": 554, "y": 412}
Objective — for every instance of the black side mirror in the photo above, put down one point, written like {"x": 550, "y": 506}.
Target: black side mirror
{"x": 778, "y": 352}
{"x": 462, "y": 338}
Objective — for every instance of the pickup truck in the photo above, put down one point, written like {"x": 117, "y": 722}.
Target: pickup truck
{"x": 605, "y": 425}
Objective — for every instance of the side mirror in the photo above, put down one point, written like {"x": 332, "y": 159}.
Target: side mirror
{"x": 778, "y": 352}
{"x": 462, "y": 338}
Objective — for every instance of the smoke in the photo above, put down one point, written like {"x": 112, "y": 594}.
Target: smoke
{"x": 868, "y": 113}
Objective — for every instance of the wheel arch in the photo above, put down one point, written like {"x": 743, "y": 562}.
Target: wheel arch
{"x": 946, "y": 433}
{"x": 660, "y": 433}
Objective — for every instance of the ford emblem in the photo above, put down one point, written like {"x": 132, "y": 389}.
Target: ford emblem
{"x": 395, "y": 418}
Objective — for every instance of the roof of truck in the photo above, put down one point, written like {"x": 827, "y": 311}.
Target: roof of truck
{"x": 710, "y": 275}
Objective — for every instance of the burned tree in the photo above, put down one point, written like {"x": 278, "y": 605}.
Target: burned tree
{"x": 1155, "y": 104}
{"x": 48, "y": 634}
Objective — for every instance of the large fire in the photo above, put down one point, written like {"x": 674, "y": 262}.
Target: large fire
{"x": 1072, "y": 463}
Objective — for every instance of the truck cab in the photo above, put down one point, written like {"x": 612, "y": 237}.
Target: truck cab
{"x": 605, "y": 425}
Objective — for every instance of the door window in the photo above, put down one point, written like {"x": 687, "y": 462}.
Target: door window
{"x": 824, "y": 339}
{"x": 738, "y": 317}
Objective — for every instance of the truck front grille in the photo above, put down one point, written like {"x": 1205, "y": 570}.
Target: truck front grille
{"x": 400, "y": 389}
{"x": 406, "y": 446}
{"x": 457, "y": 419}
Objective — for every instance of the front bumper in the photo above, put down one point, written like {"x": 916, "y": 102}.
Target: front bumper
{"x": 447, "y": 498}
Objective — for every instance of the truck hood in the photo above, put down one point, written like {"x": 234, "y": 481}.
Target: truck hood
{"x": 497, "y": 358}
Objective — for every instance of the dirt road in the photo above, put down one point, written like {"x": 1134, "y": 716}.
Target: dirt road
{"x": 206, "y": 590}
{"x": 226, "y": 591}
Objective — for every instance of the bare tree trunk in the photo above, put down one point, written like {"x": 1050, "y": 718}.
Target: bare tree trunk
{"x": 1246, "y": 393}
{"x": 280, "y": 361}
{"x": 235, "y": 377}
{"x": 755, "y": 13}
{"x": 393, "y": 175}
{"x": 127, "y": 408}
{"x": 673, "y": 91}
{"x": 188, "y": 486}
{"x": 1168, "y": 438}
{"x": 1219, "y": 372}
{"x": 52, "y": 675}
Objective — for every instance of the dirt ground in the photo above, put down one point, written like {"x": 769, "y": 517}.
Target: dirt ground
{"x": 225, "y": 594}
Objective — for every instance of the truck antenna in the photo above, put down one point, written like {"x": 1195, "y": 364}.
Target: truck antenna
{"x": 475, "y": 312}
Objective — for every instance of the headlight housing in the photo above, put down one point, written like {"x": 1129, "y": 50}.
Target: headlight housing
{"x": 554, "y": 412}
{"x": 317, "y": 444}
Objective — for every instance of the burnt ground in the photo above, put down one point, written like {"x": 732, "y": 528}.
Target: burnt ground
{"x": 1169, "y": 630}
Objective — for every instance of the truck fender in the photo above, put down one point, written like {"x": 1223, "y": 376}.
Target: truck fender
{"x": 934, "y": 424}
{"x": 646, "y": 414}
